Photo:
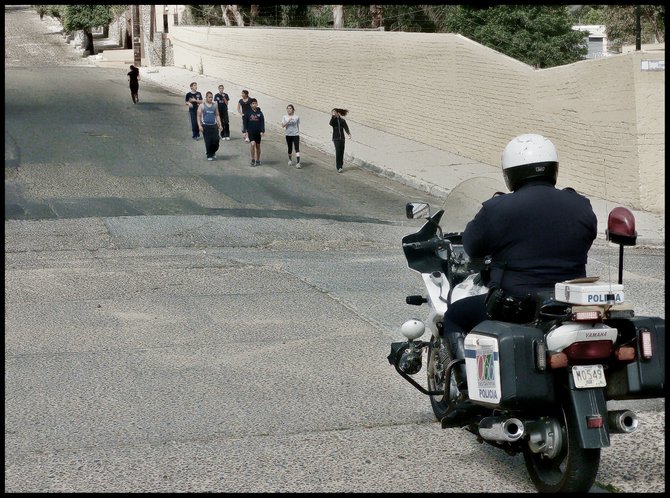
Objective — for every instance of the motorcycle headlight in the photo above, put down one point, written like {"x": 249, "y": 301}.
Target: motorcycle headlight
{"x": 413, "y": 329}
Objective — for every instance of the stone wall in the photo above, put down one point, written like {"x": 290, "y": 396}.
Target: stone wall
{"x": 118, "y": 29}
{"x": 159, "y": 51}
{"x": 606, "y": 116}
{"x": 154, "y": 53}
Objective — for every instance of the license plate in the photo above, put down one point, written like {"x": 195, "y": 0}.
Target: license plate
{"x": 586, "y": 376}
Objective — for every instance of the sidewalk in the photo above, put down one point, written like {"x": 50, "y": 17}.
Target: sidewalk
{"x": 412, "y": 163}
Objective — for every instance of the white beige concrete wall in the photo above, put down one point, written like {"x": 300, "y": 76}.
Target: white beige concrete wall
{"x": 650, "y": 133}
{"x": 588, "y": 109}
{"x": 449, "y": 92}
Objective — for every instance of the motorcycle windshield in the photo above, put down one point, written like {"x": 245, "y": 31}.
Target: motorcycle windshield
{"x": 465, "y": 200}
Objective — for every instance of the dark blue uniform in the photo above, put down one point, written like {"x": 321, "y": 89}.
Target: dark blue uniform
{"x": 536, "y": 236}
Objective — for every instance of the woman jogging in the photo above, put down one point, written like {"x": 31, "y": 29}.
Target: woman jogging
{"x": 134, "y": 79}
{"x": 291, "y": 123}
{"x": 340, "y": 126}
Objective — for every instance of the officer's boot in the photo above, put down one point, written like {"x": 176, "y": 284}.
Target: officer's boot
{"x": 462, "y": 411}
{"x": 457, "y": 347}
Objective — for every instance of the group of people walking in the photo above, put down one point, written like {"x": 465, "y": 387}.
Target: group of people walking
{"x": 209, "y": 119}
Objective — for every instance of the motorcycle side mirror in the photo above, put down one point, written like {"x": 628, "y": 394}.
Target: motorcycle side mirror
{"x": 621, "y": 227}
{"x": 415, "y": 210}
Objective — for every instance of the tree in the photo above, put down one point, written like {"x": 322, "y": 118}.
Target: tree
{"x": 254, "y": 12}
{"x": 438, "y": 15}
{"x": 377, "y": 13}
{"x": 587, "y": 14}
{"x": 56, "y": 11}
{"x": 621, "y": 26}
{"x": 231, "y": 15}
{"x": 118, "y": 10}
{"x": 85, "y": 18}
{"x": 41, "y": 10}
{"x": 295, "y": 15}
{"x": 539, "y": 35}
{"x": 319, "y": 16}
{"x": 338, "y": 16}
{"x": 206, "y": 14}
{"x": 414, "y": 18}
{"x": 266, "y": 15}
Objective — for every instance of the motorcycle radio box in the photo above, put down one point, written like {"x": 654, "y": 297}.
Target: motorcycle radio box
{"x": 500, "y": 364}
{"x": 588, "y": 293}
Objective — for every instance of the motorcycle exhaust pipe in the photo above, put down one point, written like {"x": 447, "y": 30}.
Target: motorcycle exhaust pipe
{"x": 501, "y": 429}
{"x": 622, "y": 421}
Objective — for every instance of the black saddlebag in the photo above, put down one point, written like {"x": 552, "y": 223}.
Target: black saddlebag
{"x": 501, "y": 367}
{"x": 644, "y": 377}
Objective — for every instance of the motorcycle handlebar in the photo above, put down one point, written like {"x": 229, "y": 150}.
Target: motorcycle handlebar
{"x": 426, "y": 244}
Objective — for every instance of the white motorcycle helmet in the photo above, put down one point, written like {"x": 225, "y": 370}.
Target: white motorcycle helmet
{"x": 529, "y": 156}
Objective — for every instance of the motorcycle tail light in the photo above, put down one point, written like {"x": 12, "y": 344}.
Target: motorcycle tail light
{"x": 558, "y": 360}
{"x": 594, "y": 421}
{"x": 625, "y": 353}
{"x": 588, "y": 350}
{"x": 645, "y": 343}
{"x": 586, "y": 316}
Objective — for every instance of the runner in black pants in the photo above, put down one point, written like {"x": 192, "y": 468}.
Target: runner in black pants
{"x": 134, "y": 80}
{"x": 291, "y": 124}
{"x": 210, "y": 125}
{"x": 254, "y": 123}
{"x": 193, "y": 98}
{"x": 244, "y": 106}
{"x": 340, "y": 126}
{"x": 222, "y": 100}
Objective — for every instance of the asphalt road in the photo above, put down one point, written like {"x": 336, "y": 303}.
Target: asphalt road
{"x": 174, "y": 324}
{"x": 85, "y": 150}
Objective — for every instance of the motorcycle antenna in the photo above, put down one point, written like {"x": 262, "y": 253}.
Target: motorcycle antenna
{"x": 609, "y": 251}
{"x": 610, "y": 295}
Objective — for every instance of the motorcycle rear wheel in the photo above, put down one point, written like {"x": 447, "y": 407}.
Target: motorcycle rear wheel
{"x": 435, "y": 368}
{"x": 573, "y": 470}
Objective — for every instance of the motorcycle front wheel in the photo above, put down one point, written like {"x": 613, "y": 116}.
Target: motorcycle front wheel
{"x": 572, "y": 470}
{"x": 436, "y": 365}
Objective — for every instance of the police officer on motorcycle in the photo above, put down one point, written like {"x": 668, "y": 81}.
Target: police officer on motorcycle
{"x": 536, "y": 235}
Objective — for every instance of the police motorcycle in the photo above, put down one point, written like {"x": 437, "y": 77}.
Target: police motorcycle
{"x": 540, "y": 384}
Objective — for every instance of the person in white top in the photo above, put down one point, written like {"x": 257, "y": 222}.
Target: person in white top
{"x": 291, "y": 124}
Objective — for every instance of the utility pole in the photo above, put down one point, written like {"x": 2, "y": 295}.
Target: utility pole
{"x": 638, "y": 29}
{"x": 137, "y": 48}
